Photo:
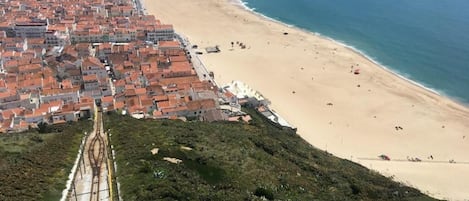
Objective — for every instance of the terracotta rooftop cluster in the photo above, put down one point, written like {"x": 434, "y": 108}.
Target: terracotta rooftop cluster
{"x": 60, "y": 57}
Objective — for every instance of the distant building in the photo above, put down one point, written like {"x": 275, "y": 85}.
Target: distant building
{"x": 65, "y": 95}
{"x": 30, "y": 29}
{"x": 122, "y": 35}
{"x": 162, "y": 32}
{"x": 55, "y": 38}
{"x": 91, "y": 82}
{"x": 121, "y": 11}
{"x": 92, "y": 65}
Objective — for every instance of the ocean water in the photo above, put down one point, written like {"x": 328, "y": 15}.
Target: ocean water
{"x": 426, "y": 41}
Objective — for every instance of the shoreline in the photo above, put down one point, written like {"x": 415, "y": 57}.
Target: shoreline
{"x": 244, "y": 5}
{"x": 347, "y": 129}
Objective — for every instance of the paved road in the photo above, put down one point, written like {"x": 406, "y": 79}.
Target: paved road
{"x": 199, "y": 67}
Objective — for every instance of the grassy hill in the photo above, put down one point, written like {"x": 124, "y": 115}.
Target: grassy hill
{"x": 35, "y": 166}
{"x": 236, "y": 161}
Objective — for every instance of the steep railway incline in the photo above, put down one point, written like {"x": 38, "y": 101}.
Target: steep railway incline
{"x": 92, "y": 180}
{"x": 96, "y": 154}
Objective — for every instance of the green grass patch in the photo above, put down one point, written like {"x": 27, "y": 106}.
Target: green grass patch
{"x": 35, "y": 166}
{"x": 236, "y": 161}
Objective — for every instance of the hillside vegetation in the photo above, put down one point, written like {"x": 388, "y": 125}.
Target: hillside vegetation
{"x": 35, "y": 166}
{"x": 236, "y": 161}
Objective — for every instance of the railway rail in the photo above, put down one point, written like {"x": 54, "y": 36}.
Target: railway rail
{"x": 96, "y": 156}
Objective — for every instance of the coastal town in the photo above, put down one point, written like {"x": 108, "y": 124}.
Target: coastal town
{"x": 61, "y": 59}
{"x": 79, "y": 63}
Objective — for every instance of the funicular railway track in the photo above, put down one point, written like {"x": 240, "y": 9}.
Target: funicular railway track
{"x": 96, "y": 156}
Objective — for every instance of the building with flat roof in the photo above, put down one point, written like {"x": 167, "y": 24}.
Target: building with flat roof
{"x": 30, "y": 29}
{"x": 161, "y": 32}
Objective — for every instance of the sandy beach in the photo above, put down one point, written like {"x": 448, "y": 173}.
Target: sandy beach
{"x": 301, "y": 73}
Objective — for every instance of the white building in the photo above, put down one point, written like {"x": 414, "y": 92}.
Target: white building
{"x": 65, "y": 95}
{"x": 30, "y": 29}
{"x": 161, "y": 32}
{"x": 55, "y": 38}
{"x": 242, "y": 90}
{"x": 123, "y": 35}
{"x": 92, "y": 65}
{"x": 91, "y": 82}
{"x": 80, "y": 37}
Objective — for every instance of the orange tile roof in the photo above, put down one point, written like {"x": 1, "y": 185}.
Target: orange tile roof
{"x": 146, "y": 102}
{"x": 160, "y": 98}
{"x": 107, "y": 99}
{"x": 164, "y": 105}
{"x": 31, "y": 82}
{"x": 201, "y": 104}
{"x": 92, "y": 61}
{"x": 157, "y": 113}
{"x": 169, "y": 44}
{"x": 59, "y": 91}
{"x": 140, "y": 91}
{"x": 90, "y": 78}
{"x": 119, "y": 104}
{"x": 67, "y": 84}
{"x": 29, "y": 68}
{"x": 2, "y": 84}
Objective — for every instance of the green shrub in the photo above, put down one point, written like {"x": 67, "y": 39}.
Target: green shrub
{"x": 262, "y": 192}
{"x": 236, "y": 161}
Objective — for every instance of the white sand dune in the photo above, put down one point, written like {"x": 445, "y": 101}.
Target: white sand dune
{"x": 361, "y": 122}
